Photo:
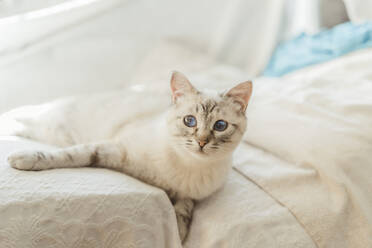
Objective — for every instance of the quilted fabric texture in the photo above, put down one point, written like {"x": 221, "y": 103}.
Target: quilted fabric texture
{"x": 80, "y": 208}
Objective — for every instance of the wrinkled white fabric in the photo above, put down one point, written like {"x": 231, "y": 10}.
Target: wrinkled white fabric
{"x": 319, "y": 119}
{"x": 242, "y": 215}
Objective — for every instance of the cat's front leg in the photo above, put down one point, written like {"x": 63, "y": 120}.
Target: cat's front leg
{"x": 106, "y": 154}
{"x": 184, "y": 209}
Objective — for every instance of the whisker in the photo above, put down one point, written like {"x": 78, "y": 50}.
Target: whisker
{"x": 225, "y": 140}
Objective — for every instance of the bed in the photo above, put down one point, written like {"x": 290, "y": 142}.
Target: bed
{"x": 301, "y": 177}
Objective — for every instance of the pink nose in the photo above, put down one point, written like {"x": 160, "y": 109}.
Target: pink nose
{"x": 202, "y": 143}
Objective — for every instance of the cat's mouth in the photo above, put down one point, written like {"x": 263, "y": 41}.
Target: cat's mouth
{"x": 201, "y": 151}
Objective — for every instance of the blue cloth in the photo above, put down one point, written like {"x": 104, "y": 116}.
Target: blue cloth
{"x": 305, "y": 50}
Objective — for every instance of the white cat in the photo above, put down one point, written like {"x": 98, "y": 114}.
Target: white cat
{"x": 187, "y": 150}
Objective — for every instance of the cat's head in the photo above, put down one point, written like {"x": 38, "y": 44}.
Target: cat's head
{"x": 207, "y": 124}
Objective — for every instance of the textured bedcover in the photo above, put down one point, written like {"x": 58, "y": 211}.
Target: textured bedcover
{"x": 80, "y": 208}
{"x": 101, "y": 208}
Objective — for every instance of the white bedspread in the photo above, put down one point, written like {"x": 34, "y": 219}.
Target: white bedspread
{"x": 320, "y": 120}
{"x": 80, "y": 208}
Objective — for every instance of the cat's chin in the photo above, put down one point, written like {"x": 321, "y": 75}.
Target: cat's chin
{"x": 198, "y": 154}
{"x": 201, "y": 154}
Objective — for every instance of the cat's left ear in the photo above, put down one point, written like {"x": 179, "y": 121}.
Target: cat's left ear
{"x": 241, "y": 94}
{"x": 180, "y": 85}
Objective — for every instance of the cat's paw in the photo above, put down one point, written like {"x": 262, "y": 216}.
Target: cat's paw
{"x": 182, "y": 230}
{"x": 183, "y": 226}
{"x": 183, "y": 209}
{"x": 26, "y": 160}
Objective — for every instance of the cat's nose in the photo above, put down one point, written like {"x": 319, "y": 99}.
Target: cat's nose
{"x": 202, "y": 143}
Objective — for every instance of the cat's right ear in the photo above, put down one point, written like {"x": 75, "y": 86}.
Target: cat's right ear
{"x": 241, "y": 94}
{"x": 180, "y": 86}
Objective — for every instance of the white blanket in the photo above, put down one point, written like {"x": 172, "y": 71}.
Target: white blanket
{"x": 320, "y": 120}
{"x": 80, "y": 208}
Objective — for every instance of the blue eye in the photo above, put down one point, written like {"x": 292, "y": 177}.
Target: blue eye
{"x": 220, "y": 125}
{"x": 189, "y": 121}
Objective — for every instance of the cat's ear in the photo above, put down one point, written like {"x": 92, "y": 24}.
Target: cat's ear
{"x": 241, "y": 94}
{"x": 180, "y": 85}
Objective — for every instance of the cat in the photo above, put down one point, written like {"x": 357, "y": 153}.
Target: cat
{"x": 186, "y": 151}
